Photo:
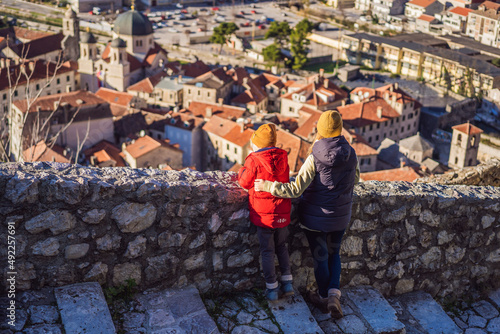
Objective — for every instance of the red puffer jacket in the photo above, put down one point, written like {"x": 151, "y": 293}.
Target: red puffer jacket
{"x": 268, "y": 164}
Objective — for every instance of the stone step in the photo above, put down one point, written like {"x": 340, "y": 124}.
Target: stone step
{"x": 169, "y": 311}
{"x": 369, "y": 303}
{"x": 422, "y": 314}
{"x": 293, "y": 316}
{"x": 83, "y": 309}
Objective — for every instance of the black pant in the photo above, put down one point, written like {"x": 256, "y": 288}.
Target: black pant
{"x": 273, "y": 240}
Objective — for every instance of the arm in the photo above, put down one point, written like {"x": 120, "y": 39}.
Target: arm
{"x": 356, "y": 179}
{"x": 246, "y": 174}
{"x": 293, "y": 189}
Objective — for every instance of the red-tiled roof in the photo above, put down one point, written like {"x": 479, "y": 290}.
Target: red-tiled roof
{"x": 358, "y": 143}
{"x": 254, "y": 95}
{"x": 319, "y": 93}
{"x": 27, "y": 34}
{"x": 228, "y": 130}
{"x": 73, "y": 99}
{"x": 145, "y": 145}
{"x": 461, "y": 11}
{"x": 365, "y": 113}
{"x": 105, "y": 151}
{"x": 295, "y": 147}
{"x": 113, "y": 96}
{"x": 195, "y": 69}
{"x": 398, "y": 174}
{"x": 42, "y": 152}
{"x": 199, "y": 109}
{"x": 490, "y": 5}
{"x": 35, "y": 70}
{"x": 238, "y": 74}
{"x": 468, "y": 129}
{"x": 153, "y": 53}
{"x": 147, "y": 85}
{"x": 426, "y": 18}
{"x": 38, "y": 47}
{"x": 422, "y": 3}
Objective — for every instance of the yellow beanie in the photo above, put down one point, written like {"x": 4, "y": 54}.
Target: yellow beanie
{"x": 329, "y": 124}
{"x": 265, "y": 136}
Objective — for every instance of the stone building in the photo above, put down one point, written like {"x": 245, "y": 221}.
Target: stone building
{"x": 416, "y": 148}
{"x": 464, "y": 145}
{"x": 209, "y": 88}
{"x": 71, "y": 32}
{"x": 131, "y": 56}
{"x": 147, "y": 152}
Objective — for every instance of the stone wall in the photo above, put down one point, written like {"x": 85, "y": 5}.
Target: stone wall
{"x": 172, "y": 228}
{"x": 485, "y": 174}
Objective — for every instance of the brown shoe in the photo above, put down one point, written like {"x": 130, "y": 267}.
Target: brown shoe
{"x": 334, "y": 307}
{"x": 317, "y": 301}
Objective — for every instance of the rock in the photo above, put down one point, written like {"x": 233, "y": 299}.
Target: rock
{"x": 429, "y": 218}
{"x": 160, "y": 267}
{"x": 214, "y": 223}
{"x": 22, "y": 188}
{"x": 296, "y": 258}
{"x": 225, "y": 239}
{"x": 485, "y": 309}
{"x": 47, "y": 247}
{"x": 76, "y": 251}
{"x": 98, "y": 273}
{"x": 395, "y": 271}
{"x": 134, "y": 217}
{"x": 266, "y": 325}
{"x": 245, "y": 330}
{"x": 199, "y": 241}
{"x": 56, "y": 221}
{"x": 133, "y": 320}
{"x": 494, "y": 256}
{"x": 425, "y": 239}
{"x": 372, "y": 245}
{"x": 410, "y": 229}
{"x": 244, "y": 318}
{"x": 43, "y": 329}
{"x": 404, "y": 286}
{"x": 444, "y": 238}
{"x": 126, "y": 271}
{"x": 487, "y": 220}
{"x": 167, "y": 239}
{"x": 352, "y": 246}
{"x": 240, "y": 260}
{"x": 372, "y": 208}
{"x": 351, "y": 324}
{"x": 240, "y": 214}
{"x": 478, "y": 322}
{"x": 362, "y": 226}
{"x": 396, "y": 215}
{"x": 454, "y": 254}
{"x": 43, "y": 314}
{"x": 195, "y": 261}
{"x": 136, "y": 247}
{"x": 432, "y": 258}
{"x": 94, "y": 216}
{"x": 359, "y": 279}
{"x": 70, "y": 191}
{"x": 108, "y": 242}
{"x": 494, "y": 325}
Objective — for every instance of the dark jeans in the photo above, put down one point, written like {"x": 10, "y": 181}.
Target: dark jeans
{"x": 273, "y": 240}
{"x": 325, "y": 252}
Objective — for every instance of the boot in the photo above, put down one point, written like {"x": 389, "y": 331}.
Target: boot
{"x": 318, "y": 301}
{"x": 287, "y": 288}
{"x": 272, "y": 294}
{"x": 334, "y": 307}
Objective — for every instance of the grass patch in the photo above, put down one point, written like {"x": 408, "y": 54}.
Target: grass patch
{"x": 118, "y": 299}
{"x": 329, "y": 67}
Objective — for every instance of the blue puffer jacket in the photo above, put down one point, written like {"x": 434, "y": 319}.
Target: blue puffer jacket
{"x": 326, "y": 204}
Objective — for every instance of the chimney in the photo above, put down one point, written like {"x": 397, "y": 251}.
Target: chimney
{"x": 56, "y": 105}
{"x": 8, "y": 62}
{"x": 2, "y": 63}
{"x": 343, "y": 103}
{"x": 393, "y": 99}
{"x": 242, "y": 124}
{"x": 180, "y": 78}
{"x": 325, "y": 83}
{"x": 31, "y": 65}
{"x": 321, "y": 72}
{"x": 379, "y": 112}
{"x": 23, "y": 68}
{"x": 38, "y": 108}
{"x": 221, "y": 101}
{"x": 16, "y": 61}
{"x": 208, "y": 112}
{"x": 391, "y": 88}
{"x": 92, "y": 160}
{"x": 396, "y": 85}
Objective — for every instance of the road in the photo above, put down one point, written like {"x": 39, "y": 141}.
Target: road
{"x": 33, "y": 7}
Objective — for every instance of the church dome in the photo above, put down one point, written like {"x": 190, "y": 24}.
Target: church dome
{"x": 118, "y": 43}
{"x": 133, "y": 23}
{"x": 88, "y": 37}
{"x": 70, "y": 13}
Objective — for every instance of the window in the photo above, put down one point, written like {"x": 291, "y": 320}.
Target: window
{"x": 396, "y": 131}
{"x": 392, "y": 121}
{"x": 470, "y": 162}
{"x": 199, "y": 92}
{"x": 67, "y": 78}
{"x": 410, "y": 116}
{"x": 290, "y": 109}
{"x": 390, "y": 133}
{"x": 5, "y": 95}
{"x": 368, "y": 161}
{"x": 408, "y": 126}
{"x": 371, "y": 127}
{"x": 58, "y": 81}
{"x": 227, "y": 147}
{"x": 189, "y": 91}
{"x": 15, "y": 92}
{"x": 376, "y": 137}
{"x": 459, "y": 138}
{"x": 362, "y": 162}
{"x": 378, "y": 125}
{"x": 208, "y": 94}
{"x": 369, "y": 139}
{"x": 397, "y": 120}
{"x": 271, "y": 90}
{"x": 416, "y": 112}
{"x": 236, "y": 150}
{"x": 385, "y": 135}
{"x": 472, "y": 141}
{"x": 404, "y": 118}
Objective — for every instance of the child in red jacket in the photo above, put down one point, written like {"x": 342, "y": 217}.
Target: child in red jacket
{"x": 270, "y": 214}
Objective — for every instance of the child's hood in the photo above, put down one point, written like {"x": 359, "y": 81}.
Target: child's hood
{"x": 332, "y": 151}
{"x": 274, "y": 160}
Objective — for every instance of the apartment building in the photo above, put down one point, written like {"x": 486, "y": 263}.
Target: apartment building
{"x": 484, "y": 24}
{"x": 208, "y": 87}
{"x": 384, "y": 9}
{"x": 147, "y": 152}
{"x": 455, "y": 20}
{"x": 363, "y": 5}
{"x": 449, "y": 69}
{"x": 385, "y": 112}
{"x": 416, "y": 8}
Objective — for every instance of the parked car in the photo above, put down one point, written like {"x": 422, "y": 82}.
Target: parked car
{"x": 215, "y": 9}
{"x": 262, "y": 26}
{"x": 179, "y": 5}
{"x": 242, "y": 13}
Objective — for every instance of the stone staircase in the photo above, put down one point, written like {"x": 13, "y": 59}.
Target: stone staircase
{"x": 82, "y": 308}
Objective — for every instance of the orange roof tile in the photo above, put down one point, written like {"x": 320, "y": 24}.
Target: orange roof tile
{"x": 461, "y": 11}
{"x": 199, "y": 109}
{"x": 74, "y": 99}
{"x": 422, "y": 3}
{"x": 42, "y": 152}
{"x": 195, "y": 69}
{"x": 426, "y": 18}
{"x": 113, "y": 96}
{"x": 228, "y": 130}
{"x": 146, "y": 144}
{"x": 318, "y": 93}
{"x": 365, "y": 113}
{"x": 398, "y": 174}
{"x": 105, "y": 151}
{"x": 468, "y": 129}
{"x": 152, "y": 53}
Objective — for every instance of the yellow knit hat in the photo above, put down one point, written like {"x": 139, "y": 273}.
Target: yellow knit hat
{"x": 265, "y": 136}
{"x": 329, "y": 124}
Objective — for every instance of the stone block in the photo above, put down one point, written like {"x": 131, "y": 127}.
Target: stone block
{"x": 126, "y": 271}
{"x": 108, "y": 242}
{"x": 47, "y": 247}
{"x": 136, "y": 247}
{"x": 57, "y": 221}
{"x": 134, "y": 217}
{"x": 98, "y": 273}
{"x": 352, "y": 246}
{"x": 94, "y": 216}
{"x": 76, "y": 251}
{"x": 195, "y": 261}
{"x": 240, "y": 260}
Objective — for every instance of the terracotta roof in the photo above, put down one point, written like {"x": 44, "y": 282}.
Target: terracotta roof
{"x": 146, "y": 144}
{"x": 41, "y": 152}
{"x": 229, "y": 130}
{"x": 135, "y": 64}
{"x": 74, "y": 99}
{"x": 27, "y": 34}
{"x": 147, "y": 85}
{"x": 306, "y": 130}
{"x": 398, "y": 174}
{"x": 358, "y": 143}
{"x": 105, "y": 151}
{"x": 255, "y": 94}
{"x": 38, "y": 47}
{"x": 296, "y": 148}
{"x": 152, "y": 53}
{"x": 426, "y": 18}
{"x": 41, "y": 71}
{"x": 195, "y": 69}
{"x": 199, "y": 109}
{"x": 238, "y": 74}
{"x": 422, "y": 3}
{"x": 318, "y": 93}
{"x": 468, "y": 129}
{"x": 270, "y": 79}
{"x": 461, "y": 11}
{"x": 365, "y": 113}
{"x": 113, "y": 96}
{"x": 490, "y": 5}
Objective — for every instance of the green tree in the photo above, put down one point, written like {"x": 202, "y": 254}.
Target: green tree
{"x": 280, "y": 31}
{"x": 222, "y": 33}
{"x": 496, "y": 62}
{"x": 272, "y": 53}
{"x": 299, "y": 43}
